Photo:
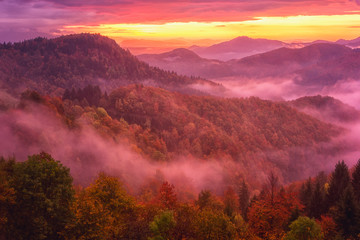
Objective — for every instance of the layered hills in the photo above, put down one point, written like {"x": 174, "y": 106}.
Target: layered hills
{"x": 317, "y": 65}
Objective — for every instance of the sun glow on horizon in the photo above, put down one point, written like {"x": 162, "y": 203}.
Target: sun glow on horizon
{"x": 290, "y": 28}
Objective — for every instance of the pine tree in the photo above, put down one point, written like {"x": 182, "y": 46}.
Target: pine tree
{"x": 317, "y": 202}
{"x": 339, "y": 181}
{"x": 356, "y": 181}
{"x": 244, "y": 197}
{"x": 305, "y": 195}
{"x": 346, "y": 214}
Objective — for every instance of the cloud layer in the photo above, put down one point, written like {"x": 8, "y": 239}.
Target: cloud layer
{"x": 21, "y": 19}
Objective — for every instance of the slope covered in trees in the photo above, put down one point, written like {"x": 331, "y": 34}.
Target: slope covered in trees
{"x": 250, "y": 135}
{"x": 51, "y": 65}
{"x": 326, "y": 108}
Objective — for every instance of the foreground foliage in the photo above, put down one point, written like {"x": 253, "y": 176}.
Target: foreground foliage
{"x": 37, "y": 201}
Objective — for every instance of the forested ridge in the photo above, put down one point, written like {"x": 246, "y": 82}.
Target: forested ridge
{"x": 52, "y": 65}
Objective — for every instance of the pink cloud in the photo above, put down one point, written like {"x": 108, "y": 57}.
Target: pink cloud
{"x": 44, "y": 16}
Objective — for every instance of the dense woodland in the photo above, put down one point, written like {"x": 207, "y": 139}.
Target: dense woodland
{"x": 161, "y": 126}
{"x": 39, "y": 201}
{"x": 52, "y": 65}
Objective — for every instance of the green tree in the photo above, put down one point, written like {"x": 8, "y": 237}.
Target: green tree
{"x": 163, "y": 225}
{"x": 304, "y": 228}
{"x": 43, "y": 196}
{"x": 214, "y": 225}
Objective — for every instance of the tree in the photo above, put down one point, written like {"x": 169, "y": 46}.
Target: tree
{"x": 306, "y": 192}
{"x": 167, "y": 196}
{"x": 92, "y": 220}
{"x": 317, "y": 202}
{"x": 268, "y": 218}
{"x": 163, "y": 225}
{"x": 204, "y": 199}
{"x": 356, "y": 181}
{"x": 230, "y": 202}
{"x": 244, "y": 197}
{"x": 214, "y": 225}
{"x": 43, "y": 196}
{"x": 109, "y": 194}
{"x": 7, "y": 193}
{"x": 304, "y": 228}
{"x": 339, "y": 181}
{"x": 272, "y": 184}
{"x": 346, "y": 214}
{"x": 328, "y": 227}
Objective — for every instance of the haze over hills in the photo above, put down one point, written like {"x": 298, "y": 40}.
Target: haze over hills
{"x": 240, "y": 137}
{"x": 78, "y": 60}
{"x": 327, "y": 109}
{"x": 244, "y": 46}
{"x": 320, "y": 63}
{"x": 237, "y": 48}
{"x": 187, "y": 62}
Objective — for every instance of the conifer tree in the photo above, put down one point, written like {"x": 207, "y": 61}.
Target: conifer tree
{"x": 339, "y": 181}
{"x": 317, "y": 202}
{"x": 244, "y": 197}
{"x": 356, "y": 181}
{"x": 346, "y": 214}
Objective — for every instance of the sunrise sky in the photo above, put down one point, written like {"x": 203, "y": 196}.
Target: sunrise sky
{"x": 139, "y": 23}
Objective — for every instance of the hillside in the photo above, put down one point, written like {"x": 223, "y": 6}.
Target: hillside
{"x": 246, "y": 137}
{"x": 52, "y": 65}
{"x": 326, "y": 108}
{"x": 319, "y": 64}
{"x": 186, "y": 62}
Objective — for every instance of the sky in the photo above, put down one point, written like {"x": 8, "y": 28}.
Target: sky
{"x": 140, "y": 23}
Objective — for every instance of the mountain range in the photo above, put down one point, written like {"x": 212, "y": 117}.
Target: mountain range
{"x": 317, "y": 65}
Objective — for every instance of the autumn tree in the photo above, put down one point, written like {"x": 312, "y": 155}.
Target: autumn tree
{"x": 185, "y": 215}
{"x": 167, "y": 196}
{"x": 268, "y": 217}
{"x": 104, "y": 210}
{"x": 7, "y": 193}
